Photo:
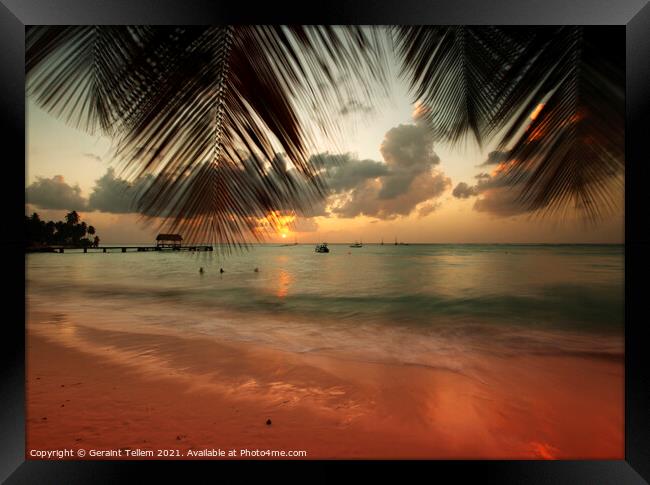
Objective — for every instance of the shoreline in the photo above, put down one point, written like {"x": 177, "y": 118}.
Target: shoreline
{"x": 106, "y": 389}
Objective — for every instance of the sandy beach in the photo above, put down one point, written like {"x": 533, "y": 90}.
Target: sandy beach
{"x": 109, "y": 390}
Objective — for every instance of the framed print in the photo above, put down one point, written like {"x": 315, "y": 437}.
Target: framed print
{"x": 363, "y": 233}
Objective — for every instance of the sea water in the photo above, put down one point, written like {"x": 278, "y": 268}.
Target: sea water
{"x": 412, "y": 304}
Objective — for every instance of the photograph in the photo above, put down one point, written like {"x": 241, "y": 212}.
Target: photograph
{"x": 325, "y": 242}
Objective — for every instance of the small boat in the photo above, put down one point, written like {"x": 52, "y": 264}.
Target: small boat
{"x": 322, "y": 248}
{"x": 356, "y": 244}
{"x": 295, "y": 243}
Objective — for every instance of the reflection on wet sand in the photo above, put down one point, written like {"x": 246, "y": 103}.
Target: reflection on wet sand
{"x": 157, "y": 388}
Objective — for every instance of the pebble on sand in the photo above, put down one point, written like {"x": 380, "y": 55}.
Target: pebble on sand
{"x": 268, "y": 422}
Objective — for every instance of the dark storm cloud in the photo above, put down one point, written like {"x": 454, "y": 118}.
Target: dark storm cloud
{"x": 54, "y": 193}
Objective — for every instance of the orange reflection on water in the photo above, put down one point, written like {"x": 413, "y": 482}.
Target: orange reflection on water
{"x": 284, "y": 282}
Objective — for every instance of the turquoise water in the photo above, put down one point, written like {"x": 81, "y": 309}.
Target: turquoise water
{"x": 404, "y": 303}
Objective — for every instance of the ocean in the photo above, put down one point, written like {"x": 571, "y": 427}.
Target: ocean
{"x": 419, "y": 304}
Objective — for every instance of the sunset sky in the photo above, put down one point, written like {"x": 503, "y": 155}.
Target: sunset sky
{"x": 389, "y": 179}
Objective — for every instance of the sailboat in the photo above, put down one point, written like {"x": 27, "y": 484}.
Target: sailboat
{"x": 400, "y": 244}
{"x": 382, "y": 241}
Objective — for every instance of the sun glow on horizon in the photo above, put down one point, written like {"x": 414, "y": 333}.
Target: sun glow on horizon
{"x": 278, "y": 222}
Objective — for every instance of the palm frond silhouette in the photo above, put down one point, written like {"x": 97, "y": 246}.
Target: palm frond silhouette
{"x": 487, "y": 81}
{"x": 204, "y": 111}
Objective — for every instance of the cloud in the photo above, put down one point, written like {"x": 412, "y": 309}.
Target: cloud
{"x": 353, "y": 106}
{"x": 110, "y": 194}
{"x": 93, "y": 156}
{"x": 344, "y": 172}
{"x": 408, "y": 152}
{"x": 302, "y": 224}
{"x": 367, "y": 199}
{"x": 464, "y": 191}
{"x": 500, "y": 201}
{"x": 427, "y": 209}
{"x": 495, "y": 157}
{"x": 116, "y": 195}
{"x": 387, "y": 189}
{"x": 405, "y": 181}
{"x": 55, "y": 193}
{"x": 494, "y": 195}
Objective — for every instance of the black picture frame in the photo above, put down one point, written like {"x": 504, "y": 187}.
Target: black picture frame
{"x": 632, "y": 15}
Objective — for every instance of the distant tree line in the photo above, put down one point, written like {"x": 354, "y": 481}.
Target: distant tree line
{"x": 71, "y": 232}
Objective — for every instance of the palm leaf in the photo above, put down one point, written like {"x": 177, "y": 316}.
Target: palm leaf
{"x": 455, "y": 71}
{"x": 572, "y": 153}
{"x": 487, "y": 81}
{"x": 202, "y": 111}
{"x": 80, "y": 73}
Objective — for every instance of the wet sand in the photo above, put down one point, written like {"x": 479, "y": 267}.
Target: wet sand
{"x": 108, "y": 390}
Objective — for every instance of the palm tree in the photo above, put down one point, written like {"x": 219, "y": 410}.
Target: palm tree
{"x": 91, "y": 230}
{"x": 72, "y": 218}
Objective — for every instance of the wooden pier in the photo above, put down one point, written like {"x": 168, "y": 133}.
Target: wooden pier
{"x": 164, "y": 243}
{"x": 131, "y": 249}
